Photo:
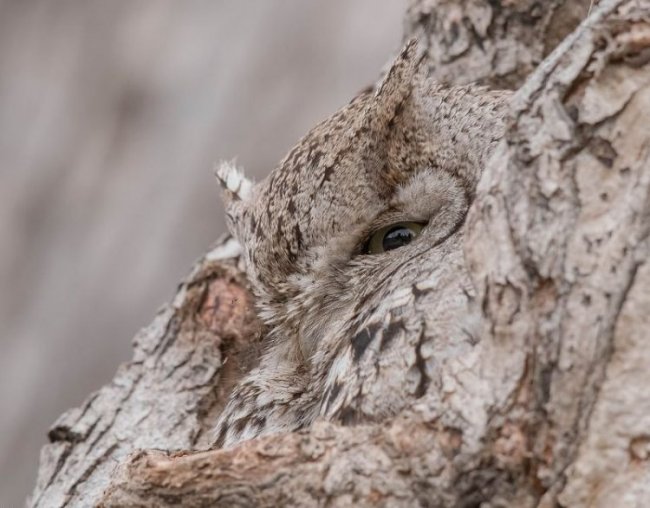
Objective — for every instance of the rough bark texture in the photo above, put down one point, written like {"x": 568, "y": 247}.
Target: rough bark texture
{"x": 557, "y": 245}
{"x": 170, "y": 392}
{"x": 497, "y": 43}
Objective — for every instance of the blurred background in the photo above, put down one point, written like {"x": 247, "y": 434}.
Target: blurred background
{"x": 112, "y": 116}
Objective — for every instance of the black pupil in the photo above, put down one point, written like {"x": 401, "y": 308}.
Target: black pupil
{"x": 397, "y": 237}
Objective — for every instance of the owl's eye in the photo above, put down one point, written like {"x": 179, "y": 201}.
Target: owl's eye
{"x": 393, "y": 237}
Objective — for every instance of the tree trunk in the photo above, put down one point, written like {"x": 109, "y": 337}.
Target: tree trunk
{"x": 556, "y": 243}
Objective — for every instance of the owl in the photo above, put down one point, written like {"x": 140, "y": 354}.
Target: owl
{"x": 353, "y": 249}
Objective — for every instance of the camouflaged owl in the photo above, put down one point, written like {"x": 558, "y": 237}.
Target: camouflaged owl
{"x": 353, "y": 248}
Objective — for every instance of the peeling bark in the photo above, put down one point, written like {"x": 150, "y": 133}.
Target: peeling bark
{"x": 557, "y": 244}
{"x": 563, "y": 213}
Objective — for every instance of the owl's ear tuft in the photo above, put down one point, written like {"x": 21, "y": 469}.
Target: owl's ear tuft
{"x": 236, "y": 187}
{"x": 390, "y": 107}
{"x": 237, "y": 190}
{"x": 396, "y": 87}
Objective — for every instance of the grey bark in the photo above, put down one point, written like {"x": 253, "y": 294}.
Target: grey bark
{"x": 167, "y": 395}
{"x": 496, "y": 43}
{"x": 557, "y": 246}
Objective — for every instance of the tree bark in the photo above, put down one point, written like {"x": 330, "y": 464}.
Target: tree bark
{"x": 496, "y": 43}
{"x": 557, "y": 243}
{"x": 184, "y": 366}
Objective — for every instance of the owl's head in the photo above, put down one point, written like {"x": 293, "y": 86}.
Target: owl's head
{"x": 385, "y": 179}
